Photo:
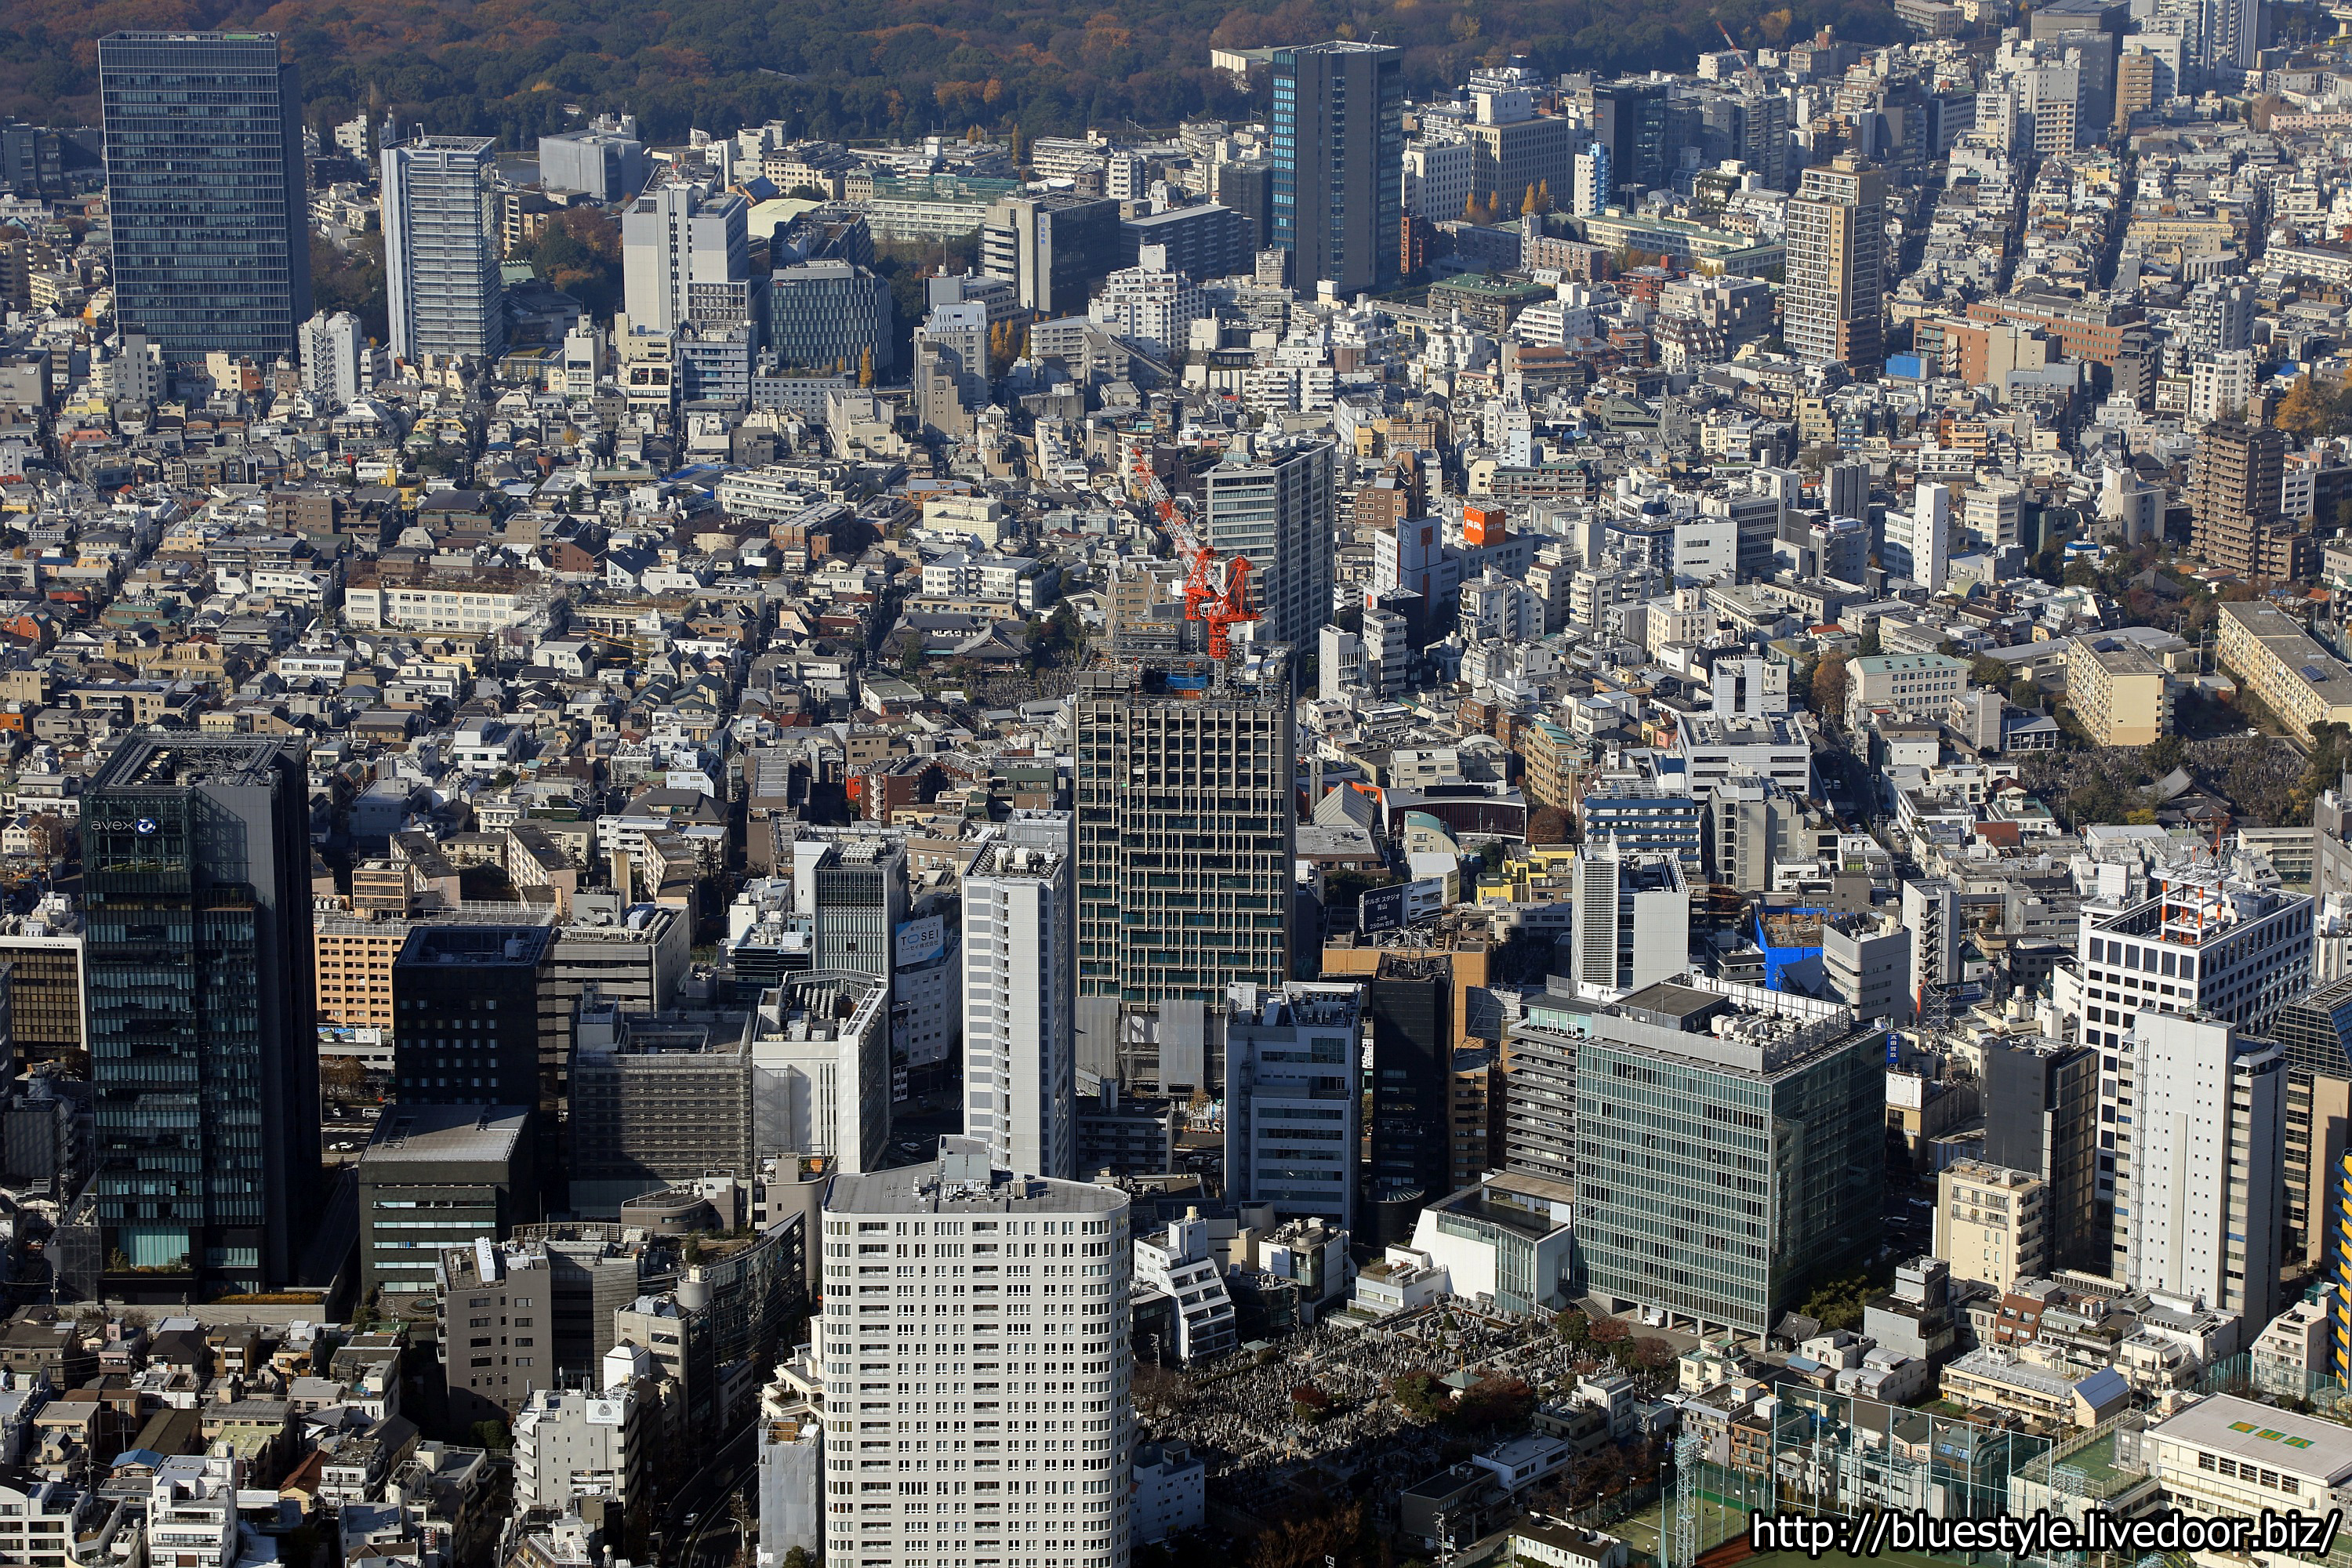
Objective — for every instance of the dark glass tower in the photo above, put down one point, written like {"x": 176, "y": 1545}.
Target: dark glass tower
{"x": 1412, "y": 1005}
{"x": 469, "y": 1026}
{"x": 203, "y": 1060}
{"x": 205, "y": 193}
{"x": 1339, "y": 163}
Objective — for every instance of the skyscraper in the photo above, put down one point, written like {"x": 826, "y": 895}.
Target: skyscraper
{"x": 1019, "y": 1001}
{"x": 1339, "y": 163}
{"x": 196, "y": 857}
{"x": 441, "y": 248}
{"x": 1185, "y": 826}
{"x": 1061, "y": 1342}
{"x": 205, "y": 193}
{"x": 1053, "y": 249}
{"x": 1833, "y": 310}
{"x": 1275, "y": 510}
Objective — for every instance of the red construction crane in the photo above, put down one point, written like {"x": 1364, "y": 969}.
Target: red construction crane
{"x": 1230, "y": 608}
{"x": 1755, "y": 76}
{"x": 1216, "y": 593}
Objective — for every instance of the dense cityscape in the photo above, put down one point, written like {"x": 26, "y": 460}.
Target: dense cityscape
{"x": 1488, "y": 824}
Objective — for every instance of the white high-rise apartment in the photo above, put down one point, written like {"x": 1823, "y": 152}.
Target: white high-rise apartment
{"x": 686, "y": 257}
{"x": 2195, "y": 1114}
{"x": 441, "y": 248}
{"x": 977, "y": 1367}
{"x": 334, "y": 355}
{"x": 1020, "y": 1004}
{"x": 1275, "y": 510}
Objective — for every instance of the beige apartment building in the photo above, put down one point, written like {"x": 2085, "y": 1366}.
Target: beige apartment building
{"x": 1992, "y": 1223}
{"x": 2121, "y": 693}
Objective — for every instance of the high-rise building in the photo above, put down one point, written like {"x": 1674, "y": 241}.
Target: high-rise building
{"x": 1719, "y": 1152}
{"x": 2225, "y": 941}
{"x": 2315, "y": 1032}
{"x": 1931, "y": 913}
{"x": 1760, "y": 124}
{"x": 1338, "y": 141}
{"x": 1020, "y": 1004}
{"x": 1992, "y": 1223}
{"x": 1247, "y": 187}
{"x": 820, "y": 1069}
{"x": 1630, "y": 118}
{"x": 1632, "y": 921}
{"x": 1052, "y": 247}
{"x": 1292, "y": 1112}
{"x": 473, "y": 1024}
{"x": 966, "y": 1339}
{"x": 1276, "y": 511}
{"x": 2235, "y": 494}
{"x": 1592, "y": 193}
{"x": 1411, "y": 1001}
{"x": 1918, "y": 543}
{"x": 2196, "y": 1203}
{"x": 333, "y": 356}
{"x": 441, "y": 248}
{"x": 859, "y": 896}
{"x": 831, "y": 315}
{"x": 205, "y": 199}
{"x": 1185, "y": 826}
{"x": 1832, "y": 311}
{"x": 2042, "y": 1115}
{"x": 437, "y": 1176}
{"x": 204, "y": 1063}
{"x": 686, "y": 258}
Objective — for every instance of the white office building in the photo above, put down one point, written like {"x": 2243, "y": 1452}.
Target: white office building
{"x": 2223, "y": 941}
{"x": 1631, "y": 923}
{"x": 2194, "y": 1109}
{"x": 1292, "y": 1113}
{"x": 1149, "y": 303}
{"x": 686, "y": 257}
{"x": 1020, "y": 1008}
{"x": 980, "y": 1410}
{"x": 1918, "y": 544}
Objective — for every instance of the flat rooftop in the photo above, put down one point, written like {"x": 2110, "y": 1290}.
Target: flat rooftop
{"x": 154, "y": 761}
{"x": 433, "y": 1134}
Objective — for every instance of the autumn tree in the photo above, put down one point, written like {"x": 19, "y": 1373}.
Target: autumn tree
{"x": 1828, "y": 686}
{"x": 2309, "y": 411}
{"x": 1546, "y": 825}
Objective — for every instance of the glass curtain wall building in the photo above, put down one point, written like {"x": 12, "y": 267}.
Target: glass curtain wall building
{"x": 1726, "y": 1154}
{"x": 1338, "y": 138}
{"x": 205, "y": 193}
{"x": 204, "y": 1062}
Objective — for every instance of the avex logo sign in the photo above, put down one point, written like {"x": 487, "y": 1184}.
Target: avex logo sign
{"x": 143, "y": 826}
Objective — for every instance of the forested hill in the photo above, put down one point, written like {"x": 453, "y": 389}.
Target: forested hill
{"x": 857, "y": 67}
